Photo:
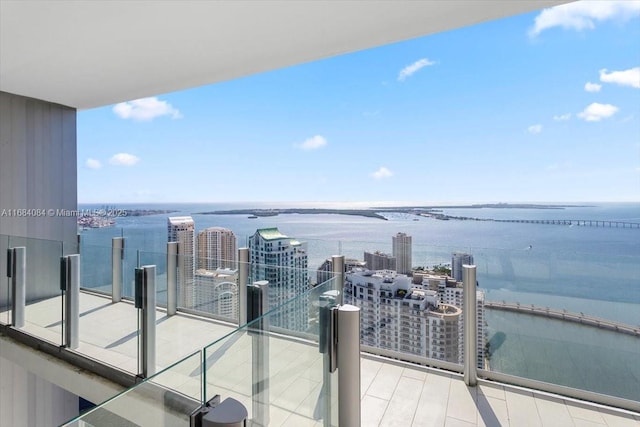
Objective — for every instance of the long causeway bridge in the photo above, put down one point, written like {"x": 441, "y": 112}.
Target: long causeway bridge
{"x": 564, "y": 315}
{"x": 578, "y": 222}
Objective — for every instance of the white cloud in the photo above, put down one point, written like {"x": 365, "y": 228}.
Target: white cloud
{"x": 381, "y": 173}
{"x": 312, "y": 143}
{"x": 583, "y": 15}
{"x": 534, "y": 129}
{"x": 93, "y": 163}
{"x": 630, "y": 77}
{"x": 596, "y": 112}
{"x": 123, "y": 159}
{"x": 562, "y": 117}
{"x": 145, "y": 109}
{"x": 592, "y": 87}
{"x": 413, "y": 68}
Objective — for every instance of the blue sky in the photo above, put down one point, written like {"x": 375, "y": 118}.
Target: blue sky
{"x": 538, "y": 107}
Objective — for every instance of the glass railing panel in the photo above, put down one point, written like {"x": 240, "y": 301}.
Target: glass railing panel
{"x": 285, "y": 284}
{"x": 552, "y": 316}
{"x": 215, "y": 289}
{"x": 108, "y": 331}
{"x": 165, "y": 399}
{"x": 43, "y": 311}
{"x": 130, "y": 261}
{"x": 146, "y": 234}
{"x": 277, "y": 373}
{"x": 5, "y": 282}
{"x": 159, "y": 259}
{"x": 96, "y": 268}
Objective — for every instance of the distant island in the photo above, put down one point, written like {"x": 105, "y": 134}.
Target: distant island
{"x": 273, "y": 212}
{"x": 430, "y": 211}
{"x": 145, "y": 212}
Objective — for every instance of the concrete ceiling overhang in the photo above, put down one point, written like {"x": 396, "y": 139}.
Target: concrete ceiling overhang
{"x": 90, "y": 53}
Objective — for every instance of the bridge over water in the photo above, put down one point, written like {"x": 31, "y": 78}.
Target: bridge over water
{"x": 577, "y": 222}
{"x": 582, "y": 318}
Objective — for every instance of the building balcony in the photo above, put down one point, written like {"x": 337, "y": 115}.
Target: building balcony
{"x": 199, "y": 355}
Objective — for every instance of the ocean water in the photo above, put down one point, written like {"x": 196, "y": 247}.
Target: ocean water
{"x": 527, "y": 263}
{"x": 594, "y": 270}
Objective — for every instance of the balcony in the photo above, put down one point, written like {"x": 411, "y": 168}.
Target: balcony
{"x": 214, "y": 357}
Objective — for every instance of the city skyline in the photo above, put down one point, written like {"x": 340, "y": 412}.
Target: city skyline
{"x": 537, "y": 107}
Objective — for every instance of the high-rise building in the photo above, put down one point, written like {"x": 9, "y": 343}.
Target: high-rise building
{"x": 181, "y": 229}
{"x": 379, "y": 261}
{"x": 217, "y": 248}
{"x": 423, "y": 319}
{"x": 402, "y": 317}
{"x": 216, "y": 292}
{"x": 458, "y": 259}
{"x": 401, "y": 243}
{"x": 325, "y": 271}
{"x": 282, "y": 261}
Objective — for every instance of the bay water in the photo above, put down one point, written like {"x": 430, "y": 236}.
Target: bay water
{"x": 593, "y": 270}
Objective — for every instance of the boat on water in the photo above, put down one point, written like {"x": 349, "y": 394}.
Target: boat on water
{"x": 252, "y": 217}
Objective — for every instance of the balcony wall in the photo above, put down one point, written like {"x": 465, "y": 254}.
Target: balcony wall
{"x": 38, "y": 177}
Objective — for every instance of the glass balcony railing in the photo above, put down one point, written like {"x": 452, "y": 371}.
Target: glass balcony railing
{"x": 545, "y": 317}
{"x": 278, "y": 375}
{"x": 41, "y": 315}
{"x": 168, "y": 398}
{"x": 5, "y": 291}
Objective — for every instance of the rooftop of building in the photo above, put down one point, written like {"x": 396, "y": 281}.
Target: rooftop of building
{"x": 180, "y": 220}
{"x": 271, "y": 233}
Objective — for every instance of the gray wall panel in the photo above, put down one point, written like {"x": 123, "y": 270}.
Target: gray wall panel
{"x": 37, "y": 171}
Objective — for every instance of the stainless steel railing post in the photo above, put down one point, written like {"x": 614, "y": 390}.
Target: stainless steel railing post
{"x": 338, "y": 270}
{"x": 117, "y": 259}
{"x": 172, "y": 278}
{"x": 243, "y": 280}
{"x": 70, "y": 285}
{"x": 145, "y": 301}
{"x": 258, "y": 305}
{"x": 470, "y": 325}
{"x": 349, "y": 366}
{"x": 18, "y": 267}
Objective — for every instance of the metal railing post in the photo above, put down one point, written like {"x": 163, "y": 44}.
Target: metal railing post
{"x": 349, "y": 366}
{"x": 70, "y": 285}
{"x": 17, "y": 263}
{"x": 172, "y": 278}
{"x": 145, "y": 300}
{"x": 327, "y": 346}
{"x": 243, "y": 279}
{"x": 257, "y": 305}
{"x": 470, "y": 325}
{"x": 117, "y": 259}
{"x": 338, "y": 270}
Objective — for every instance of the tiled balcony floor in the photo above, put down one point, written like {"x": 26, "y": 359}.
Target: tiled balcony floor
{"x": 392, "y": 393}
{"x": 397, "y": 395}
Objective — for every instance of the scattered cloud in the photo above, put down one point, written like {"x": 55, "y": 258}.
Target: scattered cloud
{"x": 382, "y": 173}
{"x": 630, "y": 77}
{"x": 93, "y": 163}
{"x": 124, "y": 159}
{"x": 596, "y": 112}
{"x": 583, "y": 15}
{"x": 145, "y": 109}
{"x": 592, "y": 87}
{"x": 562, "y": 117}
{"x": 409, "y": 70}
{"x": 534, "y": 129}
{"x": 312, "y": 143}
